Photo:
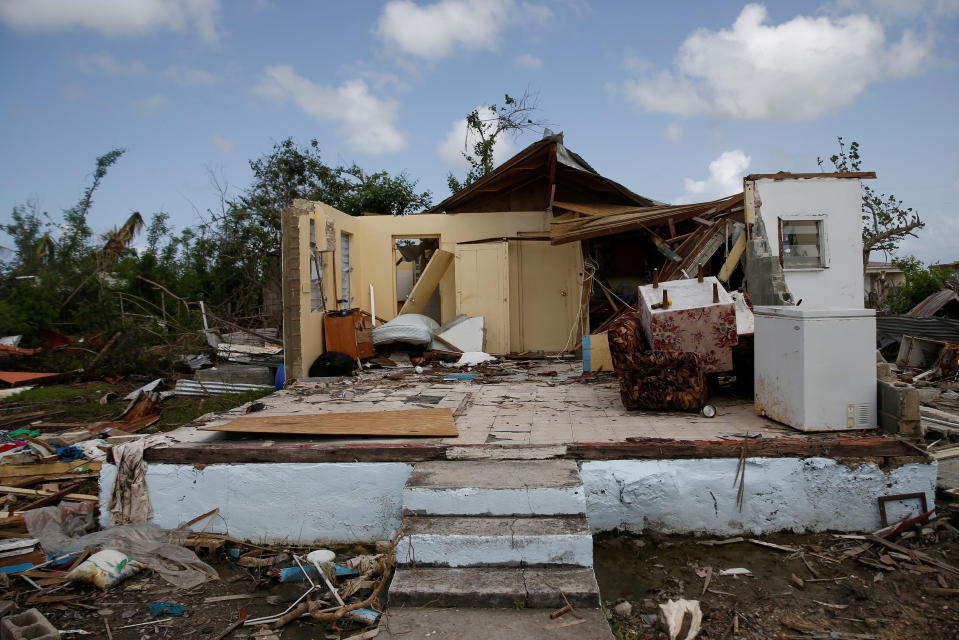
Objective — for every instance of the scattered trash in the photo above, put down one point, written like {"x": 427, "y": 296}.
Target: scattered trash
{"x": 165, "y": 608}
{"x": 473, "y": 358}
{"x": 105, "y": 569}
{"x": 682, "y": 619}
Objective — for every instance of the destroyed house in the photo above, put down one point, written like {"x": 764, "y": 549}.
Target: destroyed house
{"x": 544, "y": 248}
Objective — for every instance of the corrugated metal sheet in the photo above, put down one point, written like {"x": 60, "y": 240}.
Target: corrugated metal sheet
{"x": 194, "y": 388}
{"x": 933, "y": 304}
{"x": 934, "y": 328}
{"x": 13, "y": 378}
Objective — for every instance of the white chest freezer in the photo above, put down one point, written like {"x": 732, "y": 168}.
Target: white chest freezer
{"x": 816, "y": 367}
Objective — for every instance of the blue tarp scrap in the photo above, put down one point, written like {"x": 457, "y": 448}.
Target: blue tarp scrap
{"x": 165, "y": 607}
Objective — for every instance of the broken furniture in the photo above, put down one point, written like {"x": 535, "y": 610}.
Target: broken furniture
{"x": 815, "y": 369}
{"x": 654, "y": 379}
{"x": 350, "y": 333}
{"x": 693, "y": 316}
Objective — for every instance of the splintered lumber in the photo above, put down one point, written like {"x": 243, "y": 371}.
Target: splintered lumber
{"x": 17, "y": 491}
{"x": 412, "y": 422}
{"x": 21, "y": 470}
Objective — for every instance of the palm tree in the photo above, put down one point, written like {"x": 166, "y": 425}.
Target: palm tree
{"x": 118, "y": 241}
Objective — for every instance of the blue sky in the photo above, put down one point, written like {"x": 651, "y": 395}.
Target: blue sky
{"x": 675, "y": 100}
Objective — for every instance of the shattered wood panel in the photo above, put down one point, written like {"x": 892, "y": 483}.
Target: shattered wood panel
{"x": 413, "y": 422}
{"x": 428, "y": 281}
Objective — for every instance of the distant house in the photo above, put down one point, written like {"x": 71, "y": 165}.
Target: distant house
{"x": 880, "y": 279}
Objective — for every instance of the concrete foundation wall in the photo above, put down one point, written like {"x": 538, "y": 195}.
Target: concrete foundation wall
{"x": 699, "y": 496}
{"x": 362, "y": 502}
{"x": 284, "y": 502}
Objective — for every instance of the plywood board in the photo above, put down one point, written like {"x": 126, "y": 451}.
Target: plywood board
{"x": 414, "y": 422}
{"x": 428, "y": 281}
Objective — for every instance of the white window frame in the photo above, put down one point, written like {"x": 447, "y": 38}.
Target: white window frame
{"x": 820, "y": 220}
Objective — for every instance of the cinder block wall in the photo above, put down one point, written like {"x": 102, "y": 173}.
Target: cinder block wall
{"x": 899, "y": 408}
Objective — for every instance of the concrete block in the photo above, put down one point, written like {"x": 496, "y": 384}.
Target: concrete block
{"x": 29, "y": 625}
{"x": 236, "y": 374}
{"x": 898, "y": 408}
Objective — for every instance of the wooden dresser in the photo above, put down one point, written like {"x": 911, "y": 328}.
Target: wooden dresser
{"x": 351, "y": 334}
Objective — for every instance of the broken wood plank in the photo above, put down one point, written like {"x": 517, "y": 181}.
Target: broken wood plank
{"x": 412, "y": 422}
{"x": 780, "y": 447}
{"x": 427, "y": 282}
{"x": 20, "y": 470}
{"x": 916, "y": 554}
{"x": 38, "y": 492}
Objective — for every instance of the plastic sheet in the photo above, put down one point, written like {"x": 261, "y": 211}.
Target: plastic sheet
{"x": 61, "y": 530}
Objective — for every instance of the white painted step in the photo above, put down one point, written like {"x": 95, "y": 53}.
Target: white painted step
{"x": 474, "y": 541}
{"x": 493, "y": 587}
{"x": 498, "y": 488}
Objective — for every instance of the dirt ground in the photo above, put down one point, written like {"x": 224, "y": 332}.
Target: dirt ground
{"x": 839, "y": 598}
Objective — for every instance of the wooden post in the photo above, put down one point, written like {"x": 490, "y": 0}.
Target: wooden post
{"x": 665, "y": 300}
{"x": 715, "y": 293}
{"x": 655, "y": 278}
{"x": 699, "y": 272}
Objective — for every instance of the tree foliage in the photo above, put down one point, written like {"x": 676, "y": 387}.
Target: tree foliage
{"x": 485, "y": 127}
{"x": 921, "y": 282}
{"x": 886, "y": 221}
{"x": 62, "y": 274}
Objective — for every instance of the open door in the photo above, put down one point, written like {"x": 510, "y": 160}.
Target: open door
{"x": 482, "y": 289}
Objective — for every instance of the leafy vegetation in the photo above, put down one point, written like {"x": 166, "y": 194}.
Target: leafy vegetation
{"x": 62, "y": 276}
{"x": 485, "y": 127}
{"x": 886, "y": 221}
{"x": 921, "y": 282}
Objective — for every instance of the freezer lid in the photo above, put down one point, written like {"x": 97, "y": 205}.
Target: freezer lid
{"x": 811, "y": 313}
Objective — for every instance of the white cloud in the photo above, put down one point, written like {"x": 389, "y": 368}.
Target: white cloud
{"x": 452, "y": 146}
{"x": 436, "y": 30}
{"x": 189, "y": 77}
{"x": 725, "y": 178}
{"x": 113, "y": 17}
{"x": 367, "y": 123}
{"x": 674, "y": 132}
{"x": 151, "y": 104}
{"x": 795, "y": 71}
{"x": 105, "y": 63}
{"x": 530, "y": 61}
{"x": 225, "y": 144}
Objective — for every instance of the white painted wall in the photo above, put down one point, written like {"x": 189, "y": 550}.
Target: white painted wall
{"x": 698, "y": 496}
{"x": 838, "y": 201}
{"x": 292, "y": 502}
{"x": 362, "y": 502}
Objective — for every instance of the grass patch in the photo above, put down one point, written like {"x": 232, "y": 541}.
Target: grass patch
{"x": 184, "y": 410}
{"x": 81, "y": 403}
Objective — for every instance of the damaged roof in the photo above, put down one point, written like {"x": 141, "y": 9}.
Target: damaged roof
{"x": 534, "y": 177}
{"x": 593, "y": 221}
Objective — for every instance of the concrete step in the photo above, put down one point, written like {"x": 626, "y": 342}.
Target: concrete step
{"x": 472, "y": 541}
{"x": 493, "y": 587}
{"x": 491, "y": 624}
{"x": 499, "y": 488}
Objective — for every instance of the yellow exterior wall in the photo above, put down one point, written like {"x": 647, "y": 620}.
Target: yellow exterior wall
{"x": 553, "y": 268}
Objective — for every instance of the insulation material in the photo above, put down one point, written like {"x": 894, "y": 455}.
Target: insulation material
{"x": 654, "y": 380}
{"x": 692, "y": 322}
{"x": 467, "y": 335}
{"x": 411, "y": 328}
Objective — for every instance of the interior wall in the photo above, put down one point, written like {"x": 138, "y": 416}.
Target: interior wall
{"x": 839, "y": 203}
{"x": 554, "y": 269}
